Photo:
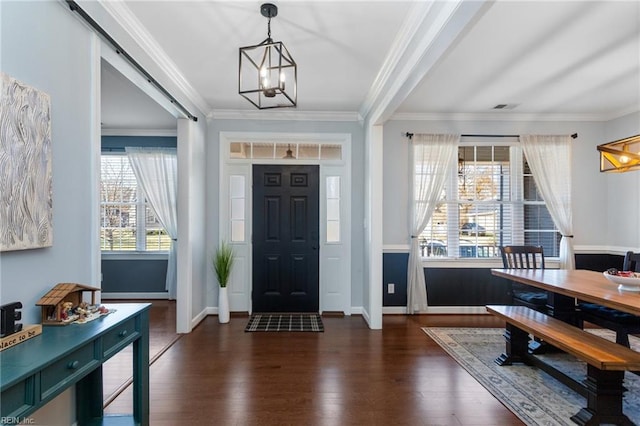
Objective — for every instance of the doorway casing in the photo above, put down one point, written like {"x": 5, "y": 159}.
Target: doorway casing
{"x": 335, "y": 256}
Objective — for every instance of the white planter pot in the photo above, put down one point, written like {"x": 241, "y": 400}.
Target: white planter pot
{"x": 223, "y": 305}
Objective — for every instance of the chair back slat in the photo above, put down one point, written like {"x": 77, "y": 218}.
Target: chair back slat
{"x": 631, "y": 262}
{"x": 522, "y": 257}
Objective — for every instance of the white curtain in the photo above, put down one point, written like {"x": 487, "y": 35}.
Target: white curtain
{"x": 431, "y": 157}
{"x": 549, "y": 158}
{"x": 156, "y": 170}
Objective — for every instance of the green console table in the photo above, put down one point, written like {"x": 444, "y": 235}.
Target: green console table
{"x": 37, "y": 370}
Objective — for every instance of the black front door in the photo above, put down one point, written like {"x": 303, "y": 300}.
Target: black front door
{"x": 285, "y": 238}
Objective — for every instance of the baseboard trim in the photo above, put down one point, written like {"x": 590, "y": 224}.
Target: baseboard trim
{"x": 355, "y": 310}
{"x": 202, "y": 315}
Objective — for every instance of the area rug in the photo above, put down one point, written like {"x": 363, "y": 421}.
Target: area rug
{"x": 285, "y": 322}
{"x": 532, "y": 395}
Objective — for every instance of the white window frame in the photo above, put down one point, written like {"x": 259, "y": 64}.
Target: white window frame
{"x": 516, "y": 178}
{"x": 140, "y": 220}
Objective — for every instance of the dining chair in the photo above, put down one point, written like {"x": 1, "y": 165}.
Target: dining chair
{"x": 525, "y": 257}
{"x": 631, "y": 262}
{"x": 621, "y": 322}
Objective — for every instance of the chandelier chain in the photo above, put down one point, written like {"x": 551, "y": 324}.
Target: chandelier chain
{"x": 269, "y": 28}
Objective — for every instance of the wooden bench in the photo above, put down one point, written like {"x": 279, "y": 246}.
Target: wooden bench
{"x": 606, "y": 360}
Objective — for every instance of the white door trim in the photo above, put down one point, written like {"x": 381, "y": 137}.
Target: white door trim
{"x": 335, "y": 259}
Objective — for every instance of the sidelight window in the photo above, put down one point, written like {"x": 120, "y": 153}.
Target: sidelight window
{"x": 333, "y": 209}
{"x": 237, "y": 203}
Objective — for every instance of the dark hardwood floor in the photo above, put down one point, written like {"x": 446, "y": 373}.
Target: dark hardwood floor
{"x": 348, "y": 375}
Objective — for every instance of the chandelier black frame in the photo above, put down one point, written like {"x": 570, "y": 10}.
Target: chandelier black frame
{"x": 267, "y": 73}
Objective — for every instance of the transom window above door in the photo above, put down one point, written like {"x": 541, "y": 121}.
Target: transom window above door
{"x": 284, "y": 150}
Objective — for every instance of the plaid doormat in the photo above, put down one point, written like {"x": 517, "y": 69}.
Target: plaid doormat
{"x": 285, "y": 322}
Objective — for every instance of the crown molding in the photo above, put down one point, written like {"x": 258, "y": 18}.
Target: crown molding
{"x": 282, "y": 114}
{"x": 127, "y": 20}
{"x": 631, "y": 109}
{"x": 138, "y": 132}
{"x": 501, "y": 116}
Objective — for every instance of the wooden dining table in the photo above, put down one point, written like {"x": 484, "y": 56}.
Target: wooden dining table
{"x": 564, "y": 288}
{"x": 587, "y": 286}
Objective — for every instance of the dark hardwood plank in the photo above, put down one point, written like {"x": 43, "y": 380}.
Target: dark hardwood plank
{"x": 348, "y": 375}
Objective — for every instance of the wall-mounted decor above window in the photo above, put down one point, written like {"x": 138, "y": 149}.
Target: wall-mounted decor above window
{"x": 620, "y": 156}
{"x": 25, "y": 167}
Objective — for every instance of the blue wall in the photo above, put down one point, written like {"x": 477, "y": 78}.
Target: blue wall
{"x": 44, "y": 46}
{"x": 134, "y": 276}
{"x": 118, "y": 143}
{"x": 466, "y": 286}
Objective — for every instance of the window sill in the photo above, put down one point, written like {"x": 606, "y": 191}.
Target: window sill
{"x": 448, "y": 262}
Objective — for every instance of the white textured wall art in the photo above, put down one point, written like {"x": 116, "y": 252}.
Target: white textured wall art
{"x": 25, "y": 167}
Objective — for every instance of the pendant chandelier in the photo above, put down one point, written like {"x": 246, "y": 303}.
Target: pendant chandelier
{"x": 267, "y": 74}
{"x": 620, "y": 156}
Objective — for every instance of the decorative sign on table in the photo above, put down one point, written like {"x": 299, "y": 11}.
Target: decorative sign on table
{"x": 13, "y": 332}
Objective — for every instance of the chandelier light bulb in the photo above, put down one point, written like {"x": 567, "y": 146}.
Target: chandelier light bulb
{"x": 624, "y": 159}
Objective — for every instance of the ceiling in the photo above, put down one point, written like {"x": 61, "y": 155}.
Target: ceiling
{"x": 571, "y": 59}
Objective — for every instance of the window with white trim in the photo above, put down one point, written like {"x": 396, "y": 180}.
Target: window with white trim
{"x": 490, "y": 200}
{"x": 127, "y": 223}
{"x": 237, "y": 205}
{"x": 286, "y": 150}
{"x": 333, "y": 209}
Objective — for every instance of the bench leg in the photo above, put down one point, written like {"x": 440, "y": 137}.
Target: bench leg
{"x": 516, "y": 346}
{"x": 604, "y": 399}
{"x": 622, "y": 338}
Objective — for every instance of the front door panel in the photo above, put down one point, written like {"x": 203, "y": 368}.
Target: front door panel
{"x": 285, "y": 238}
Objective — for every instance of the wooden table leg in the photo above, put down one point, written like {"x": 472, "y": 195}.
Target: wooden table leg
{"x": 562, "y": 307}
{"x": 141, "y": 372}
{"x": 604, "y": 399}
{"x": 89, "y": 397}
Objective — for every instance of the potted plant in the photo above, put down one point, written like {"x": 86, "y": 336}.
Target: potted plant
{"x": 222, "y": 264}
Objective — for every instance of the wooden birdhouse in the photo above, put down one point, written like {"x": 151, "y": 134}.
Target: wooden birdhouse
{"x": 61, "y": 302}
